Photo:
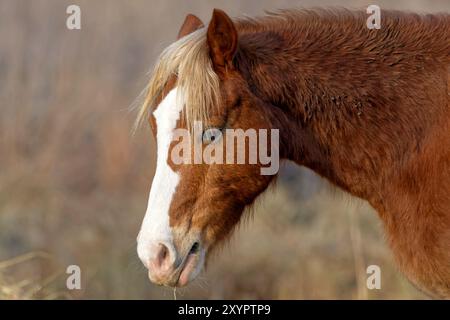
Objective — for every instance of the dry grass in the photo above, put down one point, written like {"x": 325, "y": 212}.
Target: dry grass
{"x": 19, "y": 279}
{"x": 74, "y": 184}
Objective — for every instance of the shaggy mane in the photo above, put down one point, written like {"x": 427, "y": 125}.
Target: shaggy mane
{"x": 188, "y": 59}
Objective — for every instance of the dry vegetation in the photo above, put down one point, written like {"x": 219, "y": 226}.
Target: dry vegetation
{"x": 74, "y": 184}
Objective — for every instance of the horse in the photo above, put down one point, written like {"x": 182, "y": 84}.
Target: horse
{"x": 366, "y": 109}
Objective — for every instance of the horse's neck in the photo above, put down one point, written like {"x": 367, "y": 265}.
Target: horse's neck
{"x": 374, "y": 123}
{"x": 359, "y": 115}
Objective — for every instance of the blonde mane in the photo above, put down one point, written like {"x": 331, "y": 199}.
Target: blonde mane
{"x": 188, "y": 59}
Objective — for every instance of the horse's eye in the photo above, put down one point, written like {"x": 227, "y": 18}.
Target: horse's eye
{"x": 211, "y": 135}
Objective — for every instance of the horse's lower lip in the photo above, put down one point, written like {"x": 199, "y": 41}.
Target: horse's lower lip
{"x": 186, "y": 270}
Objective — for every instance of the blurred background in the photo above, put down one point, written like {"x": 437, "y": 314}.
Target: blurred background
{"x": 74, "y": 182}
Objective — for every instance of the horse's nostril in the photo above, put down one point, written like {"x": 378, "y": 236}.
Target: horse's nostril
{"x": 162, "y": 255}
{"x": 194, "y": 248}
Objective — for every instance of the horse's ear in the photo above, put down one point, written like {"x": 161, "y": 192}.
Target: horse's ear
{"x": 222, "y": 40}
{"x": 190, "y": 24}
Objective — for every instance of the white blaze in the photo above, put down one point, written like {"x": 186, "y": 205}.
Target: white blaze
{"x": 155, "y": 227}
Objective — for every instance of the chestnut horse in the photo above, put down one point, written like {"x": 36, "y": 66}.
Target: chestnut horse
{"x": 367, "y": 109}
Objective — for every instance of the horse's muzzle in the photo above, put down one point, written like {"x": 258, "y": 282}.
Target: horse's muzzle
{"x": 169, "y": 267}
